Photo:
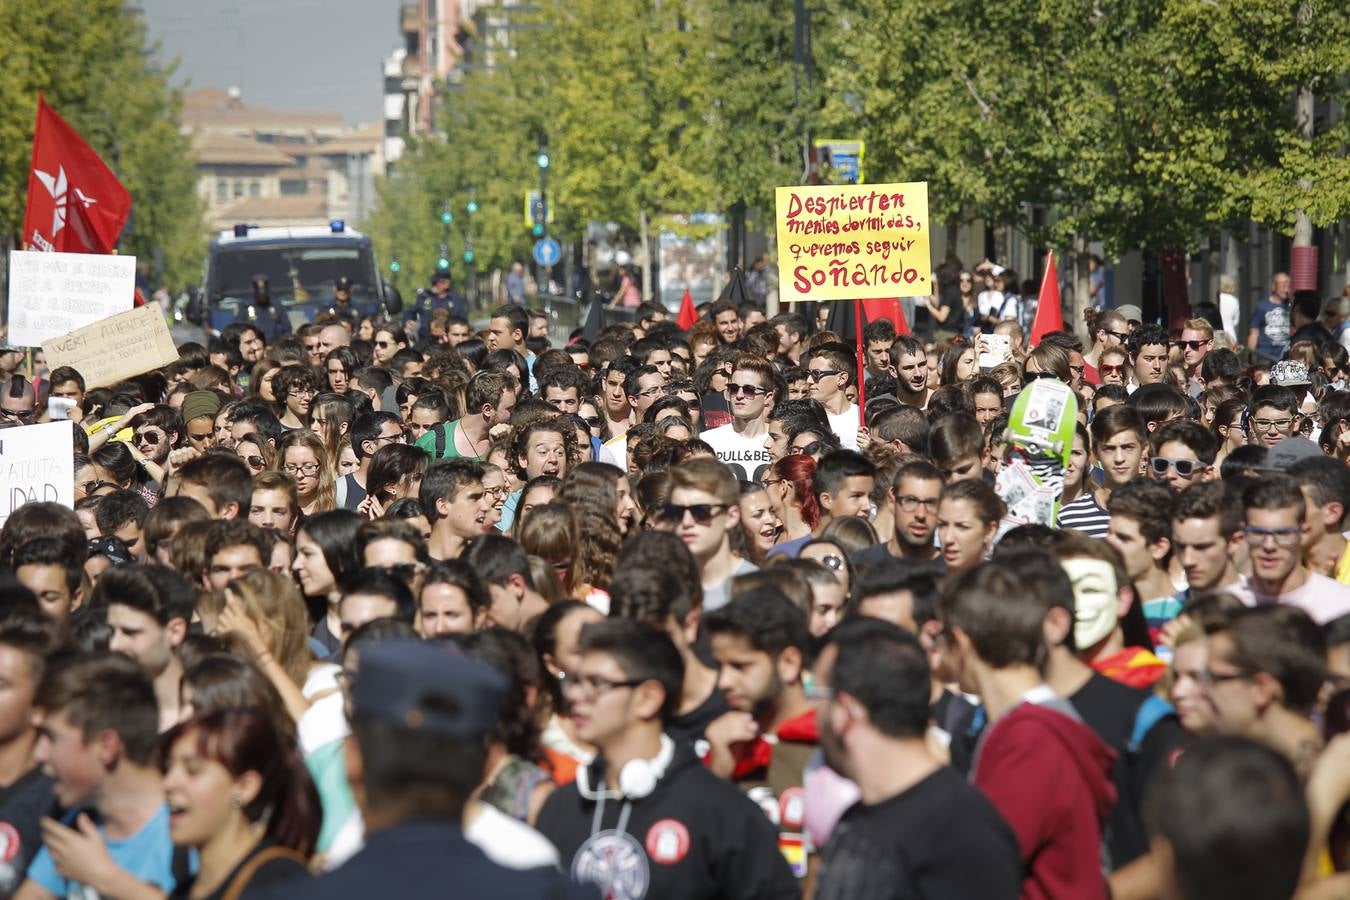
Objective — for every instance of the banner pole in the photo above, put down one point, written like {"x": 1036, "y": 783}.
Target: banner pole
{"x": 862, "y": 361}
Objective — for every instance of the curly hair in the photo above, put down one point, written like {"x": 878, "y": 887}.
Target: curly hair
{"x": 520, "y": 440}
{"x": 591, "y": 490}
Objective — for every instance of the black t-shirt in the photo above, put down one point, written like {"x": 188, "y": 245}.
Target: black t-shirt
{"x": 1111, "y": 709}
{"x": 941, "y": 838}
{"x": 690, "y": 726}
{"x": 22, "y": 806}
{"x": 277, "y": 870}
{"x": 879, "y": 553}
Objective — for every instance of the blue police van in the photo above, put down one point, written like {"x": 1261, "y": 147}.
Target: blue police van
{"x": 300, "y": 264}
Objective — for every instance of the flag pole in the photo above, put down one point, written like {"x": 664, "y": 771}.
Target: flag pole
{"x": 862, "y": 361}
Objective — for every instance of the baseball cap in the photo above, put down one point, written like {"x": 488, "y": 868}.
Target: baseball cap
{"x": 1131, "y": 312}
{"x": 1287, "y": 452}
{"x": 342, "y": 283}
{"x": 427, "y": 688}
{"x": 440, "y": 275}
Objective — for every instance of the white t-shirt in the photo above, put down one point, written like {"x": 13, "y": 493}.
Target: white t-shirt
{"x": 1320, "y": 597}
{"x": 988, "y": 302}
{"x": 1230, "y": 314}
{"x": 745, "y": 456}
{"x": 845, "y": 426}
{"x": 325, "y": 720}
{"x": 615, "y": 451}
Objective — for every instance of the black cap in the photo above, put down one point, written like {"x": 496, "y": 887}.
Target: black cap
{"x": 440, "y": 275}
{"x": 260, "y": 280}
{"x": 342, "y": 283}
{"x": 397, "y": 678}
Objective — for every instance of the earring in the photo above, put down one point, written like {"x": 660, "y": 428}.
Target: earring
{"x": 236, "y": 803}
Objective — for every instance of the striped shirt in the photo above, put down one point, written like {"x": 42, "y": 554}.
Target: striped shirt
{"x": 1083, "y": 514}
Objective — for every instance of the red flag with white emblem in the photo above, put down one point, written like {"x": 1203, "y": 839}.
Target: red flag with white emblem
{"x": 75, "y": 202}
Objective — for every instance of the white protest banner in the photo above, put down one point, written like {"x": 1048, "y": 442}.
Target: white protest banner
{"x": 37, "y": 465}
{"x": 116, "y": 348}
{"x": 51, "y": 294}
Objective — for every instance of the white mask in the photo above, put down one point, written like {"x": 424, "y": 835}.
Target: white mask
{"x": 1095, "y": 600}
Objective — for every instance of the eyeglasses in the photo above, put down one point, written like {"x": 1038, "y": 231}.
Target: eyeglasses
{"x": 768, "y": 482}
{"x": 307, "y": 469}
{"x": 817, "y": 374}
{"x": 386, "y": 438}
{"x": 404, "y": 572}
{"x": 1185, "y": 467}
{"x": 1272, "y": 424}
{"x": 659, "y": 390}
{"x": 588, "y": 687}
{"x": 148, "y": 437}
{"x": 1110, "y": 370}
{"x": 909, "y": 503}
{"x": 1284, "y": 537}
{"x": 748, "y": 390}
{"x": 1189, "y": 345}
{"x": 302, "y": 392}
{"x": 702, "y": 513}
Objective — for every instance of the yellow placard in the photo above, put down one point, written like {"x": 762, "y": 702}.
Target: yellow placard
{"x": 853, "y": 242}
{"x": 115, "y": 348}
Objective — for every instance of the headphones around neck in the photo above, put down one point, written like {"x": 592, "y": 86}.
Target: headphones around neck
{"x": 638, "y": 777}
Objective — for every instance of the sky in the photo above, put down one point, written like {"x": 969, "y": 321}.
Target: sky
{"x": 320, "y": 55}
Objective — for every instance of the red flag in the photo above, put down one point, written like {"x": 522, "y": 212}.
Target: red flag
{"x": 888, "y": 308}
{"x": 1049, "y": 315}
{"x": 687, "y": 316}
{"x": 75, "y": 202}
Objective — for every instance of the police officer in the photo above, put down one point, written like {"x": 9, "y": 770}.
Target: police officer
{"x": 440, "y": 296}
{"x": 342, "y": 306}
{"x": 420, "y": 717}
{"x": 262, "y": 315}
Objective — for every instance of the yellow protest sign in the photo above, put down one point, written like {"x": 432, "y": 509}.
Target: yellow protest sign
{"x": 115, "y": 348}
{"x": 853, "y": 241}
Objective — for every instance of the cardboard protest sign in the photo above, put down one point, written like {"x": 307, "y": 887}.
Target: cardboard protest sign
{"x": 37, "y": 465}
{"x": 116, "y": 348}
{"x": 853, "y": 241}
{"x": 51, "y": 294}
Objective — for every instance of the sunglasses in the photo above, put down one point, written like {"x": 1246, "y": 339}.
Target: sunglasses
{"x": 723, "y": 373}
{"x": 817, "y": 374}
{"x": 255, "y": 462}
{"x": 404, "y": 572}
{"x": 1185, "y": 467}
{"x": 12, "y": 414}
{"x": 147, "y": 437}
{"x": 810, "y": 449}
{"x": 1111, "y": 370}
{"x": 593, "y": 421}
{"x": 748, "y": 390}
{"x": 702, "y": 513}
{"x": 1121, "y": 336}
{"x": 92, "y": 487}
{"x": 1189, "y": 345}
{"x": 1029, "y": 377}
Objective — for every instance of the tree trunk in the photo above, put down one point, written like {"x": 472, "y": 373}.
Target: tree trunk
{"x": 771, "y": 307}
{"x": 1082, "y": 287}
{"x": 646, "y": 255}
{"x": 1303, "y": 117}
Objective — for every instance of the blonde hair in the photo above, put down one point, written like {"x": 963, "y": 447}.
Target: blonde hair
{"x": 1201, "y": 325}
{"x": 273, "y": 603}
{"x": 325, "y": 495}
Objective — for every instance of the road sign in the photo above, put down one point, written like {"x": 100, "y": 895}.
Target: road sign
{"x": 547, "y": 252}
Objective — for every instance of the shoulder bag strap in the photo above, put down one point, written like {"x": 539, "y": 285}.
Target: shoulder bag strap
{"x": 240, "y": 881}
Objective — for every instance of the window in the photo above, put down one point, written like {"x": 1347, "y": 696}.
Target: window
{"x": 238, "y": 189}
{"x": 222, "y": 191}
{"x": 255, "y": 188}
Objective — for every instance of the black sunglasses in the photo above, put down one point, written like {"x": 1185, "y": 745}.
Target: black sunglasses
{"x": 147, "y": 437}
{"x": 817, "y": 374}
{"x": 1190, "y": 345}
{"x": 703, "y": 513}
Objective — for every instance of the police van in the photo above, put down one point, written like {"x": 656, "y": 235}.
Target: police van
{"x": 300, "y": 264}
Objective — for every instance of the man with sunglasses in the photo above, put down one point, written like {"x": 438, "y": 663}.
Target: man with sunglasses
{"x": 1273, "y": 524}
{"x": 155, "y": 433}
{"x": 1183, "y": 453}
{"x": 740, "y": 443}
{"x": 702, "y": 511}
{"x": 832, "y": 369}
{"x": 1197, "y": 339}
{"x": 17, "y": 403}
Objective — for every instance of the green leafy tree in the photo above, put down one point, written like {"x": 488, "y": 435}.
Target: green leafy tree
{"x": 90, "y": 58}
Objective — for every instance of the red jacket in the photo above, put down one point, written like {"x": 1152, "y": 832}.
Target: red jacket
{"x": 1050, "y": 777}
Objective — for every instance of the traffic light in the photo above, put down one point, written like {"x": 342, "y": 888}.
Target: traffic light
{"x": 443, "y": 261}
{"x": 541, "y": 160}
{"x": 468, "y": 257}
{"x": 538, "y": 229}
{"x": 394, "y": 265}
{"x": 538, "y": 211}
{"x": 447, "y": 217}
{"x": 472, "y": 207}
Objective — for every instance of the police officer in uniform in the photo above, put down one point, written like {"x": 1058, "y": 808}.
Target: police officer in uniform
{"x": 420, "y": 717}
{"x": 342, "y": 306}
{"x": 440, "y": 296}
{"x": 262, "y": 315}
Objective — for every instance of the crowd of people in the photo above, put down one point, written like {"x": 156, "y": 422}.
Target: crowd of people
{"x": 361, "y": 609}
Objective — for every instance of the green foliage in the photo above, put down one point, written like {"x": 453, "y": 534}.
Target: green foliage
{"x": 89, "y": 57}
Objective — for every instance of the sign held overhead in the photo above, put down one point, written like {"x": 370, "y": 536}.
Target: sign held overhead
{"x": 51, "y": 294}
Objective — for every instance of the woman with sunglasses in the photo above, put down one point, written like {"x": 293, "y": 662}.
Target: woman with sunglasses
{"x": 389, "y": 339}
{"x": 792, "y": 500}
{"x": 968, "y": 515}
{"x": 91, "y": 479}
{"x": 1229, "y": 427}
{"x": 1047, "y": 360}
{"x": 302, "y": 455}
{"x": 240, "y": 795}
{"x": 256, "y": 453}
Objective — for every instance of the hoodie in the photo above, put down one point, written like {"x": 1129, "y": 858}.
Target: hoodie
{"x": 694, "y": 836}
{"x": 1049, "y": 776}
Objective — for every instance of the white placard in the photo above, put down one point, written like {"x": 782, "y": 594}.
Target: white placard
{"x": 37, "y": 464}
{"x": 995, "y": 349}
{"x": 51, "y": 294}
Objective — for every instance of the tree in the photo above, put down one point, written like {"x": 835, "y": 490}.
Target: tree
{"x": 91, "y": 60}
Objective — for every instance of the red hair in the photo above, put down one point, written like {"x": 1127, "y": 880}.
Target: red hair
{"x": 799, "y": 469}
